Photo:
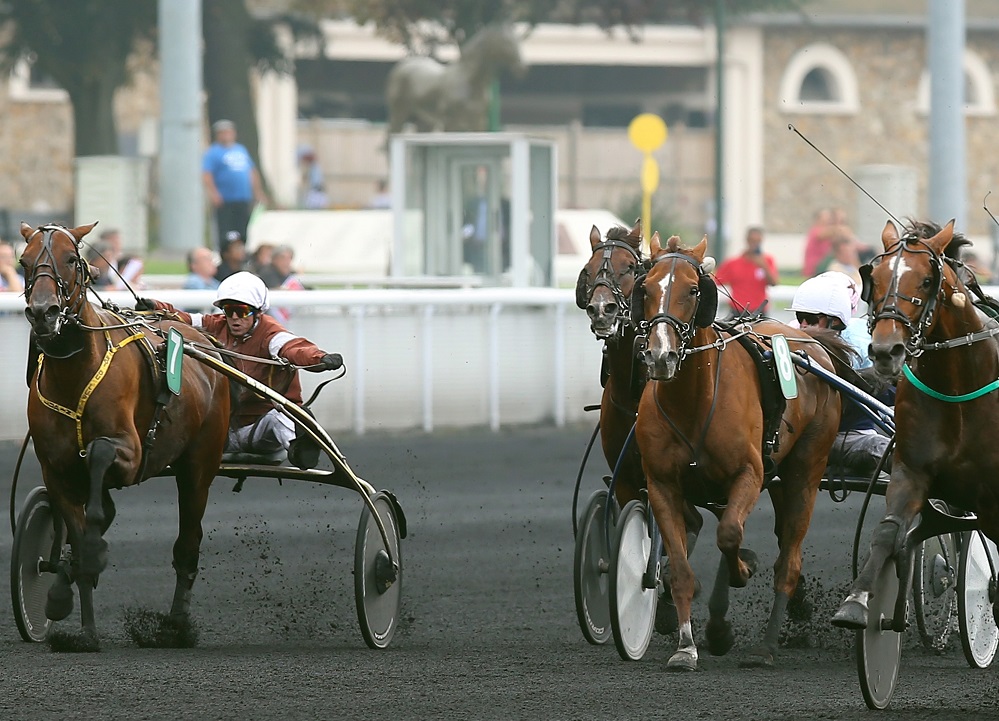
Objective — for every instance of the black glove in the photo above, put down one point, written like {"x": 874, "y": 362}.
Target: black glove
{"x": 332, "y": 361}
{"x": 145, "y": 304}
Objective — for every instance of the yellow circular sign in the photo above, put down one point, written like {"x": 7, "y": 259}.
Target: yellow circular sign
{"x": 647, "y": 132}
{"x": 650, "y": 175}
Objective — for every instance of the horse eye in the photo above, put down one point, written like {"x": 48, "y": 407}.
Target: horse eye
{"x": 695, "y": 290}
{"x": 926, "y": 282}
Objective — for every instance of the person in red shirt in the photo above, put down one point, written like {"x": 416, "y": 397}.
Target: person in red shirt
{"x": 245, "y": 328}
{"x": 748, "y": 275}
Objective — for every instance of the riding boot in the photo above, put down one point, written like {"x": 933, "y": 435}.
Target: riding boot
{"x": 303, "y": 451}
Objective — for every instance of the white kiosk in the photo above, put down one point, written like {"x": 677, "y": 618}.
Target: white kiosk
{"x": 476, "y": 205}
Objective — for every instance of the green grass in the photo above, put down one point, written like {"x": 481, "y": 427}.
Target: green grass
{"x": 162, "y": 266}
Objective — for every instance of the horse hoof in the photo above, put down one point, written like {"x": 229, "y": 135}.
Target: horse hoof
{"x": 59, "y": 602}
{"x": 851, "y": 615}
{"x": 751, "y": 561}
{"x": 720, "y": 637}
{"x": 682, "y": 661}
{"x": 666, "y": 618}
{"x": 759, "y": 658}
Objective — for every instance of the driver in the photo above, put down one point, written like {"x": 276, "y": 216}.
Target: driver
{"x": 245, "y": 328}
{"x": 829, "y": 300}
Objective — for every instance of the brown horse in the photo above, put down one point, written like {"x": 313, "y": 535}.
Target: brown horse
{"x": 925, "y": 328}
{"x": 94, "y": 409}
{"x": 702, "y": 428}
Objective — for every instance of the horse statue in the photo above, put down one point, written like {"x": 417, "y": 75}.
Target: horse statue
{"x": 455, "y": 97}
{"x": 102, "y": 418}
{"x": 713, "y": 429}
{"x": 943, "y": 348}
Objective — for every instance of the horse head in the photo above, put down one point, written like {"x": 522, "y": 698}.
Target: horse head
{"x": 605, "y": 283}
{"x": 677, "y": 297}
{"x": 492, "y": 49}
{"x": 56, "y": 276}
{"x": 906, "y": 286}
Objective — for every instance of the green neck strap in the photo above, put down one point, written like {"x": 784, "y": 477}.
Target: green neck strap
{"x": 943, "y": 396}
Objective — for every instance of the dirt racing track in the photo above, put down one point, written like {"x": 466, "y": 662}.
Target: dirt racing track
{"x": 488, "y": 626}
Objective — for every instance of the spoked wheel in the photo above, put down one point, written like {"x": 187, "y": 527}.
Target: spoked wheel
{"x": 590, "y": 567}
{"x": 633, "y": 608}
{"x": 30, "y": 578}
{"x": 976, "y": 589}
{"x": 879, "y": 649}
{"x": 934, "y": 590}
{"x": 377, "y": 580}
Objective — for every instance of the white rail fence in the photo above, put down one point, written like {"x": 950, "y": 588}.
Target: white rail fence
{"x": 415, "y": 359}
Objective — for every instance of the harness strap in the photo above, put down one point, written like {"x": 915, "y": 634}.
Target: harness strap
{"x": 77, "y": 415}
{"x": 984, "y": 390}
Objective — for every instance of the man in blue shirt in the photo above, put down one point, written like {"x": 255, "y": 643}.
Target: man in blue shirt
{"x": 231, "y": 181}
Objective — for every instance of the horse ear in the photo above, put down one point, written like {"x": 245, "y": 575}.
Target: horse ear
{"x": 700, "y": 249}
{"x": 81, "y": 230}
{"x": 889, "y": 236}
{"x": 942, "y": 239}
{"x": 594, "y": 237}
{"x": 636, "y": 229}
{"x": 26, "y": 230}
{"x": 654, "y": 244}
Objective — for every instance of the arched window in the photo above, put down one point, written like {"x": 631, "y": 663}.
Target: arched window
{"x": 819, "y": 79}
{"x": 979, "y": 96}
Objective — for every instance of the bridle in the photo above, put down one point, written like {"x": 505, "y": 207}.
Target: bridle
{"x": 70, "y": 298}
{"x": 888, "y": 308}
{"x": 605, "y": 275}
{"x": 683, "y": 329}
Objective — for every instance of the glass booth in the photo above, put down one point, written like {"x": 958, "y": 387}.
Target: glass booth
{"x": 474, "y": 205}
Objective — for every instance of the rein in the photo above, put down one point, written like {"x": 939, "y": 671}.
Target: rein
{"x": 983, "y": 391}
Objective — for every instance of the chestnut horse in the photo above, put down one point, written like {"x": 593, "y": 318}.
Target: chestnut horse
{"x": 925, "y": 329}
{"x": 701, "y": 428}
{"x": 94, "y": 399}
{"x": 603, "y": 290}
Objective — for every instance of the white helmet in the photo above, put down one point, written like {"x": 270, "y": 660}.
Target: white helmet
{"x": 826, "y": 294}
{"x": 243, "y": 287}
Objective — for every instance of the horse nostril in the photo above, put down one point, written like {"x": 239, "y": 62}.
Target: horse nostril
{"x": 591, "y": 310}
{"x": 897, "y": 350}
{"x": 610, "y": 308}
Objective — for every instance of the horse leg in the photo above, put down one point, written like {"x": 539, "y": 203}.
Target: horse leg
{"x": 667, "y": 505}
{"x": 719, "y": 631}
{"x": 666, "y": 619}
{"x": 799, "y": 607}
{"x": 192, "y": 494}
{"x": 903, "y": 501}
{"x": 59, "y": 601}
{"x": 742, "y": 496}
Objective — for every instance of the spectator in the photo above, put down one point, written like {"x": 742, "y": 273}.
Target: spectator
{"x": 829, "y": 301}
{"x": 748, "y": 275}
{"x": 843, "y": 258}
{"x": 129, "y": 273}
{"x": 98, "y": 257}
{"x": 233, "y": 258}
{"x": 10, "y": 278}
{"x": 200, "y": 270}
{"x": 112, "y": 236}
{"x": 280, "y": 275}
{"x": 818, "y": 243}
{"x": 312, "y": 191}
{"x": 261, "y": 258}
{"x": 231, "y": 181}
{"x": 974, "y": 264}
{"x": 381, "y": 199}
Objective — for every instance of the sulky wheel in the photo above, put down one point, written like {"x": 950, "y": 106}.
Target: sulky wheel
{"x": 590, "y": 566}
{"x": 378, "y": 574}
{"x": 879, "y": 649}
{"x": 934, "y": 589}
{"x": 632, "y": 606}
{"x": 976, "y": 590}
{"x": 30, "y": 577}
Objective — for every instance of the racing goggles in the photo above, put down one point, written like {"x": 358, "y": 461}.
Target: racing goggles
{"x": 237, "y": 310}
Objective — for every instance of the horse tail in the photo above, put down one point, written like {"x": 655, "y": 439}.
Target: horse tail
{"x": 844, "y": 356}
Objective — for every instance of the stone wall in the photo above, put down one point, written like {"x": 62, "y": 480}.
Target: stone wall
{"x": 888, "y": 130}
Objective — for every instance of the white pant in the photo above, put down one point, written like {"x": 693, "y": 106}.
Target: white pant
{"x": 274, "y": 431}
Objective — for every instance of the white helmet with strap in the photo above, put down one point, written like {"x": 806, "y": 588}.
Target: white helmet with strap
{"x": 243, "y": 287}
{"x": 826, "y": 294}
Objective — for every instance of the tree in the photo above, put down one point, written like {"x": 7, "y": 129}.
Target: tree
{"x": 84, "y": 46}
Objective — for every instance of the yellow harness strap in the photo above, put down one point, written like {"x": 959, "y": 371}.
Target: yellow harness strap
{"x": 77, "y": 415}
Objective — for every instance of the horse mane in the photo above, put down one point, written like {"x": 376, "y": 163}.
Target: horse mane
{"x": 925, "y": 229}
{"x": 839, "y": 349}
{"x": 619, "y": 232}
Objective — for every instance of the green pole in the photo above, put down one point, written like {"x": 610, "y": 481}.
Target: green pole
{"x": 494, "y": 106}
{"x": 719, "y": 131}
